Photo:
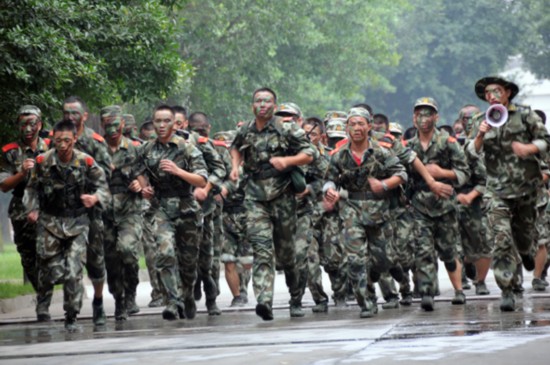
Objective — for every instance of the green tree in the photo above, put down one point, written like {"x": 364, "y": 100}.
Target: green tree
{"x": 535, "y": 43}
{"x": 105, "y": 51}
{"x": 317, "y": 53}
{"x": 446, "y": 46}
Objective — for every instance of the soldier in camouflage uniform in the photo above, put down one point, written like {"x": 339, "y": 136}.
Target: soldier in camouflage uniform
{"x": 16, "y": 161}
{"x": 476, "y": 248}
{"x": 367, "y": 172}
{"x": 436, "y": 218}
{"x": 306, "y": 202}
{"x": 513, "y": 179}
{"x": 75, "y": 110}
{"x": 199, "y": 126}
{"x": 173, "y": 167}
{"x": 130, "y": 128}
{"x": 122, "y": 218}
{"x": 65, "y": 183}
{"x": 268, "y": 149}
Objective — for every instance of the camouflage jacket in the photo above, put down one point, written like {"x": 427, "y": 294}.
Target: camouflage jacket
{"x": 124, "y": 163}
{"x": 478, "y": 172}
{"x": 345, "y": 173}
{"x": 314, "y": 175}
{"x": 55, "y": 189}
{"x": 508, "y": 175}
{"x": 11, "y": 159}
{"x": 276, "y": 139}
{"x": 446, "y": 152}
{"x": 170, "y": 189}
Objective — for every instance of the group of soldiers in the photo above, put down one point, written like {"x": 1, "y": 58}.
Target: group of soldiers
{"x": 353, "y": 193}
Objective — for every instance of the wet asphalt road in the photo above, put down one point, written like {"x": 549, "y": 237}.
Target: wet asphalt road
{"x": 477, "y": 333}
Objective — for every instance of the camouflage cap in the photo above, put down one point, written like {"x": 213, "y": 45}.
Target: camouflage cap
{"x": 225, "y": 136}
{"x": 110, "y": 111}
{"x": 360, "y": 112}
{"x": 426, "y": 101}
{"x": 336, "y": 128}
{"x": 395, "y": 128}
{"x": 481, "y": 84}
{"x": 288, "y": 109}
{"x": 129, "y": 119}
{"x": 335, "y": 114}
{"x": 30, "y": 109}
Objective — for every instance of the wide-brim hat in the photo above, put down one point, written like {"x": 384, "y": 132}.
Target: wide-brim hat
{"x": 482, "y": 84}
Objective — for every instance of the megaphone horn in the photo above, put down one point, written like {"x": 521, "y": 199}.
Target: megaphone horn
{"x": 496, "y": 115}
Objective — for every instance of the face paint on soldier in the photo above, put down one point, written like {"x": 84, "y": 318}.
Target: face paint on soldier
{"x": 164, "y": 123}
{"x": 467, "y": 118}
{"x": 425, "y": 118}
{"x": 113, "y": 127}
{"x": 64, "y": 144}
{"x": 264, "y": 105}
{"x": 358, "y": 129}
{"x": 75, "y": 113}
{"x": 497, "y": 94}
{"x": 181, "y": 121}
{"x": 29, "y": 126}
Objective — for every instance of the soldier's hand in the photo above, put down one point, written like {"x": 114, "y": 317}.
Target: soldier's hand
{"x": 434, "y": 170}
{"x": 89, "y": 200}
{"x": 279, "y": 163}
{"x": 234, "y": 175}
{"x": 484, "y": 127}
{"x": 147, "y": 192}
{"x": 224, "y": 192}
{"x": 332, "y": 196}
{"x": 464, "y": 199}
{"x": 200, "y": 194}
{"x": 33, "y": 216}
{"x": 441, "y": 190}
{"x": 135, "y": 186}
{"x": 376, "y": 185}
{"x": 303, "y": 193}
{"x": 522, "y": 150}
{"x": 169, "y": 166}
{"x": 28, "y": 164}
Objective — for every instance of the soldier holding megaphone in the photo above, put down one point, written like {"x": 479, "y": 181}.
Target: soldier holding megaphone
{"x": 510, "y": 137}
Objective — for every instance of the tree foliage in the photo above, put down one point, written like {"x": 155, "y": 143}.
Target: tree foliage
{"x": 446, "y": 46}
{"x": 105, "y": 51}
{"x": 318, "y": 53}
{"x": 535, "y": 40}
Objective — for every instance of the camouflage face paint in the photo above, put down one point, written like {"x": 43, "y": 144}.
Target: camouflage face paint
{"x": 73, "y": 112}
{"x": 113, "y": 127}
{"x": 29, "y": 126}
{"x": 497, "y": 94}
{"x": 425, "y": 118}
{"x": 264, "y": 105}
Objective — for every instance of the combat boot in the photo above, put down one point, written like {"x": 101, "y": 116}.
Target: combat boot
{"x": 321, "y": 307}
{"x": 42, "y": 313}
{"x": 70, "y": 322}
{"x": 157, "y": 302}
{"x": 170, "y": 313}
{"x": 99, "y": 317}
{"x": 406, "y": 299}
{"x": 264, "y": 311}
{"x": 296, "y": 310}
{"x": 459, "y": 298}
{"x": 197, "y": 291}
{"x": 131, "y": 305}
{"x": 392, "y": 303}
{"x": 121, "y": 313}
{"x": 237, "y": 301}
{"x": 340, "y": 302}
{"x": 507, "y": 302}
{"x": 212, "y": 308}
{"x": 538, "y": 284}
{"x": 427, "y": 303}
{"x": 367, "y": 310}
{"x": 481, "y": 288}
{"x": 190, "y": 307}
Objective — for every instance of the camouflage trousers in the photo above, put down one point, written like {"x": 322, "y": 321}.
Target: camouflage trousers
{"x": 61, "y": 261}
{"x": 472, "y": 232}
{"x": 364, "y": 243}
{"x": 24, "y": 236}
{"x": 331, "y": 251}
{"x": 513, "y": 222}
{"x": 177, "y": 250}
{"x": 122, "y": 255}
{"x": 302, "y": 242}
{"x": 543, "y": 227}
{"x": 218, "y": 246}
{"x": 404, "y": 236}
{"x": 149, "y": 243}
{"x": 95, "y": 252}
{"x": 270, "y": 230}
{"x": 236, "y": 247}
{"x": 206, "y": 253}
{"x": 436, "y": 235}
{"x": 314, "y": 275}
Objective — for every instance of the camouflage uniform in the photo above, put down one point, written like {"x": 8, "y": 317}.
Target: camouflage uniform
{"x": 511, "y": 192}
{"x": 177, "y": 215}
{"x": 270, "y": 203}
{"x": 365, "y": 216}
{"x": 62, "y": 228}
{"x": 12, "y": 157}
{"x": 123, "y": 227}
{"x": 436, "y": 218}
